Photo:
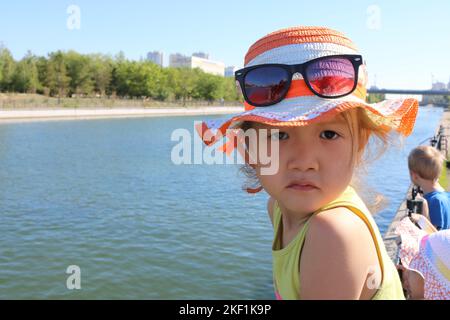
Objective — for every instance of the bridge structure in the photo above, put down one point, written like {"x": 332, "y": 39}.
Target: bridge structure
{"x": 410, "y": 91}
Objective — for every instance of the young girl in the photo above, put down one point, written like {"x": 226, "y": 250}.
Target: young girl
{"x": 309, "y": 84}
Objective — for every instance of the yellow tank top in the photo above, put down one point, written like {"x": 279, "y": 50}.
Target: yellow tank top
{"x": 286, "y": 261}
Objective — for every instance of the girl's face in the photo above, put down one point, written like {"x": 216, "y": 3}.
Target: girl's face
{"x": 315, "y": 164}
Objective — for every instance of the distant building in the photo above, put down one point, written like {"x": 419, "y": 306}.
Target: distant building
{"x": 209, "y": 66}
{"x": 178, "y": 60}
{"x": 201, "y": 55}
{"x": 438, "y": 86}
{"x": 229, "y": 71}
{"x": 435, "y": 99}
{"x": 155, "y": 57}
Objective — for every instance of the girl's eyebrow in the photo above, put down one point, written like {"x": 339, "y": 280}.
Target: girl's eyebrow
{"x": 334, "y": 121}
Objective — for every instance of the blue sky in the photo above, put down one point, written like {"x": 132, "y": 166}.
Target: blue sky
{"x": 404, "y": 42}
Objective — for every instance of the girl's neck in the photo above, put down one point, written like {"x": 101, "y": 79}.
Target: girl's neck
{"x": 293, "y": 220}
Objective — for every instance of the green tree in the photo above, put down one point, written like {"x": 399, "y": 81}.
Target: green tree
{"x": 58, "y": 80}
{"x": 25, "y": 77}
{"x": 118, "y": 84}
{"x": 183, "y": 82}
{"x": 7, "y": 66}
{"x": 209, "y": 87}
{"x": 79, "y": 71}
{"x": 447, "y": 100}
{"x": 42, "y": 68}
{"x": 139, "y": 79}
{"x": 139, "y": 75}
{"x": 230, "y": 91}
{"x": 101, "y": 69}
{"x": 66, "y": 73}
{"x": 156, "y": 81}
{"x": 375, "y": 97}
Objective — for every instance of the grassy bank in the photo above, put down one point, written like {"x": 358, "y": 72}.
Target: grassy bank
{"x": 19, "y": 101}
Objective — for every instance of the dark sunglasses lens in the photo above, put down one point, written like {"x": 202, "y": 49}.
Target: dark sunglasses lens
{"x": 331, "y": 77}
{"x": 265, "y": 85}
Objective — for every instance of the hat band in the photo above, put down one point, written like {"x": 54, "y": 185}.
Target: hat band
{"x": 272, "y": 42}
{"x": 299, "y": 53}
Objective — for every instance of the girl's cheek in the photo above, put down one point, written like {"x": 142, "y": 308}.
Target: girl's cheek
{"x": 341, "y": 152}
{"x": 265, "y": 150}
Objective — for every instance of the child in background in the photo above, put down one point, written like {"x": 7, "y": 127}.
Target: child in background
{"x": 425, "y": 166}
{"x": 305, "y": 91}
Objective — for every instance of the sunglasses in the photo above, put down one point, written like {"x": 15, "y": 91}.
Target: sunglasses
{"x": 327, "y": 77}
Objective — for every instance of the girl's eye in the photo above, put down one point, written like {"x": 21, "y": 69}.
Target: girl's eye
{"x": 329, "y": 135}
{"x": 280, "y": 135}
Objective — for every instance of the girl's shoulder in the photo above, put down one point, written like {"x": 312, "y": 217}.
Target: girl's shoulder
{"x": 337, "y": 223}
{"x": 335, "y": 237}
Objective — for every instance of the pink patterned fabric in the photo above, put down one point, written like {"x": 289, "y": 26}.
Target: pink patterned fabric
{"x": 437, "y": 287}
{"x": 411, "y": 236}
{"x": 277, "y": 295}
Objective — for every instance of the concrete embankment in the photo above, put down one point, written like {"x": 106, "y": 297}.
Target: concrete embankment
{"x": 72, "y": 114}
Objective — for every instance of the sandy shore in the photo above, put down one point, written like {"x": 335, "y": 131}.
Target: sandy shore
{"x": 8, "y": 116}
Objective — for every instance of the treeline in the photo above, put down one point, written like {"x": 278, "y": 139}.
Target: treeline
{"x": 375, "y": 97}
{"x": 68, "y": 74}
{"x": 436, "y": 100}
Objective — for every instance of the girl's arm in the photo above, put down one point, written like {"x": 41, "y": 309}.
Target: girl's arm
{"x": 426, "y": 210}
{"x": 423, "y": 223}
{"x": 339, "y": 258}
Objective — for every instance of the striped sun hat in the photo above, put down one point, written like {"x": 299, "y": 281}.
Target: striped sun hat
{"x": 301, "y": 107}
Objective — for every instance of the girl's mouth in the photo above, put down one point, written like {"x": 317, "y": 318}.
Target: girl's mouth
{"x": 302, "y": 187}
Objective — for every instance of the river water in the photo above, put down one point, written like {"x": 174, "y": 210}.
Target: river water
{"x": 105, "y": 196}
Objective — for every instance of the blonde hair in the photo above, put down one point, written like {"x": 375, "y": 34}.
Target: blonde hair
{"x": 426, "y": 161}
{"x": 363, "y": 129}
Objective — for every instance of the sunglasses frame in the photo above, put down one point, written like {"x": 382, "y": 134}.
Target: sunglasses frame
{"x": 291, "y": 69}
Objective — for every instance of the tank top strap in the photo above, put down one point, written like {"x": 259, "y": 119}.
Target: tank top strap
{"x": 276, "y": 216}
{"x": 299, "y": 239}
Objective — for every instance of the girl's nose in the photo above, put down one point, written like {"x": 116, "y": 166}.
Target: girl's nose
{"x": 303, "y": 158}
